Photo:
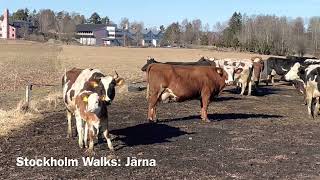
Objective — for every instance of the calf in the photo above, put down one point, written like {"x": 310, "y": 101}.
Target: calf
{"x": 181, "y": 83}
{"x": 79, "y": 82}
{"x": 89, "y": 109}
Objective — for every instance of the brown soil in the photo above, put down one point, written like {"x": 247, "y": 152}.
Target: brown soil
{"x": 263, "y": 136}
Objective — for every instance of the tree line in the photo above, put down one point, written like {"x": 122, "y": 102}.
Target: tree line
{"x": 264, "y": 34}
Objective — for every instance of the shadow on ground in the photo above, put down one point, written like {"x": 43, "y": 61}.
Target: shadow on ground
{"x": 224, "y": 117}
{"x": 147, "y": 133}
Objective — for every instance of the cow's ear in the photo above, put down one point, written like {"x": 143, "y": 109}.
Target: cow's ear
{"x": 119, "y": 81}
{"x": 94, "y": 84}
{"x": 85, "y": 99}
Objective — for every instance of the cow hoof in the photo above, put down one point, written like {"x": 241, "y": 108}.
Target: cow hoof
{"x": 152, "y": 121}
{"x": 206, "y": 120}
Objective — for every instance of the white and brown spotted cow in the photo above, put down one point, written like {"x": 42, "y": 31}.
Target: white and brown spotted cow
{"x": 240, "y": 71}
{"x": 86, "y": 94}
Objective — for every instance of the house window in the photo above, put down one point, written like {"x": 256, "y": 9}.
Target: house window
{"x": 12, "y": 35}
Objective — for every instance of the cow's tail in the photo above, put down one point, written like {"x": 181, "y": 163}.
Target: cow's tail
{"x": 147, "y": 79}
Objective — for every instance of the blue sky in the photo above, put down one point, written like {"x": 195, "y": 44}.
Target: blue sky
{"x": 155, "y": 13}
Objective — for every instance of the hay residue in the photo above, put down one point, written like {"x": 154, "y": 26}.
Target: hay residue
{"x": 25, "y": 114}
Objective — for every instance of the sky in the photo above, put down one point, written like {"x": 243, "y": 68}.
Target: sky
{"x": 164, "y": 12}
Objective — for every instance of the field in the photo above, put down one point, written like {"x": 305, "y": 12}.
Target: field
{"x": 267, "y": 135}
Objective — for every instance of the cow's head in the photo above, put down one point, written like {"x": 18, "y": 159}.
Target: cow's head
{"x": 150, "y": 60}
{"x": 237, "y": 73}
{"x": 230, "y": 74}
{"x": 105, "y": 86}
{"x": 296, "y": 72}
{"x": 223, "y": 74}
{"x": 92, "y": 101}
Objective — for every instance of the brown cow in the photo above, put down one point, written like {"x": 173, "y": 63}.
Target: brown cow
{"x": 181, "y": 83}
{"x": 258, "y": 67}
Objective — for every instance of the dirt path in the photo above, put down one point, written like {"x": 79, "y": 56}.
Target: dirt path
{"x": 264, "y": 136}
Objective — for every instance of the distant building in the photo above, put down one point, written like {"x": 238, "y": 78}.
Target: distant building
{"x": 151, "y": 37}
{"x": 6, "y": 30}
{"x": 110, "y": 35}
{"x": 91, "y": 34}
{"x": 23, "y": 28}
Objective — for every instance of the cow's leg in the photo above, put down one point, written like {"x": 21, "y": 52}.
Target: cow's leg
{"x": 316, "y": 108}
{"x": 268, "y": 79}
{"x": 69, "y": 118}
{"x": 305, "y": 99}
{"x": 243, "y": 88}
{"x": 249, "y": 88}
{"x": 153, "y": 99}
{"x": 79, "y": 123}
{"x": 272, "y": 80}
{"x": 309, "y": 101}
{"x": 108, "y": 138}
{"x": 85, "y": 136}
{"x": 91, "y": 138}
{"x": 204, "y": 109}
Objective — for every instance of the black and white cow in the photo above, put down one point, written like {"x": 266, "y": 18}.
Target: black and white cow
{"x": 309, "y": 75}
{"x": 241, "y": 72}
{"x": 97, "y": 91}
{"x": 281, "y": 66}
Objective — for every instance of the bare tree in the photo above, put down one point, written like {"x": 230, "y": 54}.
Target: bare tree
{"x": 46, "y": 21}
{"x": 124, "y": 23}
{"x": 137, "y": 27}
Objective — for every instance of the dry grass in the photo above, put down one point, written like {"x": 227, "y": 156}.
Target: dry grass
{"x": 128, "y": 61}
{"x": 16, "y": 118}
{"x": 28, "y": 62}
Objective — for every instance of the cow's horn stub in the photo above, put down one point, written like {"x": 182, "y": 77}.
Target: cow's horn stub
{"x": 219, "y": 71}
{"x": 115, "y": 76}
{"x": 103, "y": 98}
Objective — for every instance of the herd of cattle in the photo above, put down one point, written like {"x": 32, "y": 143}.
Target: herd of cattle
{"x": 88, "y": 92}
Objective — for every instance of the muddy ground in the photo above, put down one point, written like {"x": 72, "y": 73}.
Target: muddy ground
{"x": 267, "y": 135}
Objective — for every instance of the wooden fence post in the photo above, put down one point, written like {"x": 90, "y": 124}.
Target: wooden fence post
{"x": 28, "y": 93}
